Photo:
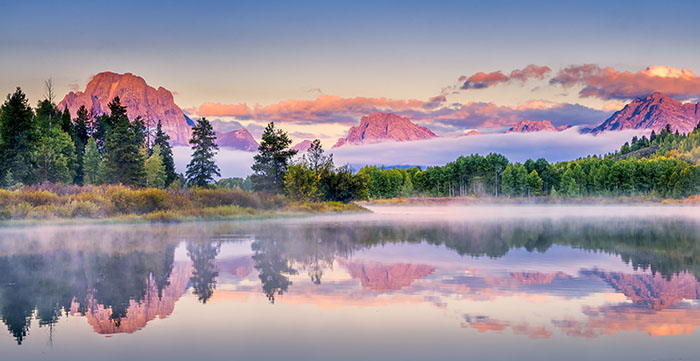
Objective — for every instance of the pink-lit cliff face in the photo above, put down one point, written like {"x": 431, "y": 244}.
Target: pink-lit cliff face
{"x": 654, "y": 112}
{"x": 140, "y": 99}
{"x": 382, "y": 127}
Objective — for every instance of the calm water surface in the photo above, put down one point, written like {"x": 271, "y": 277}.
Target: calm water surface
{"x": 404, "y": 283}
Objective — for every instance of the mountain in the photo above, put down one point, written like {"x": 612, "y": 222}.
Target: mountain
{"x": 140, "y": 312}
{"x": 237, "y": 139}
{"x": 528, "y": 126}
{"x": 302, "y": 146}
{"x": 653, "y": 112}
{"x": 139, "y": 98}
{"x": 380, "y": 277}
{"x": 471, "y": 133}
{"x": 381, "y": 127}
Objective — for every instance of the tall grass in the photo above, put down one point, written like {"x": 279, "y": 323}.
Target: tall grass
{"x": 55, "y": 201}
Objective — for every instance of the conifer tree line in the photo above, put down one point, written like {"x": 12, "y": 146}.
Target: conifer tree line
{"x": 47, "y": 144}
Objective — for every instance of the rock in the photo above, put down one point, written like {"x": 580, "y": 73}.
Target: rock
{"x": 302, "y": 146}
{"x": 653, "y": 112}
{"x": 139, "y": 98}
{"x": 528, "y": 126}
{"x": 237, "y": 139}
{"x": 381, "y": 127}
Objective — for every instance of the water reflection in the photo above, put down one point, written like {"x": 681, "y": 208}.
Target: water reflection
{"x": 580, "y": 278}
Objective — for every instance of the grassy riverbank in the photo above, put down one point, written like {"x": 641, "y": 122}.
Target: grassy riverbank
{"x": 57, "y": 203}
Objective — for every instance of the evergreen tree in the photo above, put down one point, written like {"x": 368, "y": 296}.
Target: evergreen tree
{"x": 202, "y": 167}
{"x": 19, "y": 138}
{"x": 81, "y": 138}
{"x": 155, "y": 170}
{"x": 91, "y": 163}
{"x": 272, "y": 160}
{"x": 166, "y": 153}
{"x": 124, "y": 156}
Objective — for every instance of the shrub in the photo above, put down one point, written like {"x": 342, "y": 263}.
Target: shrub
{"x": 222, "y": 197}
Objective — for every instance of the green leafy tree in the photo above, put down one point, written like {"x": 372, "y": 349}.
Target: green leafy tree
{"x": 272, "y": 160}
{"x": 301, "y": 182}
{"x": 19, "y": 138}
{"x": 202, "y": 167}
{"x": 166, "y": 153}
{"x": 155, "y": 170}
{"x": 534, "y": 183}
{"x": 91, "y": 163}
{"x": 58, "y": 153}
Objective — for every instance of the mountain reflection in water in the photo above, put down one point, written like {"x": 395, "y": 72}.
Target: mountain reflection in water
{"x": 568, "y": 276}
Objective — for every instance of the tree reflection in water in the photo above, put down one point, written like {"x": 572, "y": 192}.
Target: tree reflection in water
{"x": 204, "y": 270}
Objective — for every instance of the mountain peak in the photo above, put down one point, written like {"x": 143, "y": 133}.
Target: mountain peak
{"x": 528, "y": 126}
{"x": 139, "y": 98}
{"x": 653, "y": 112}
{"x": 382, "y": 127}
{"x": 237, "y": 139}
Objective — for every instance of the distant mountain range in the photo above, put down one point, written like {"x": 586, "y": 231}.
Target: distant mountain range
{"x": 651, "y": 112}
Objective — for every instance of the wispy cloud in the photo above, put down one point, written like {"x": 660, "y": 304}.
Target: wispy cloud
{"x": 483, "y": 80}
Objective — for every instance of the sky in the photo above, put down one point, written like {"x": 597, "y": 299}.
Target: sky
{"x": 316, "y": 67}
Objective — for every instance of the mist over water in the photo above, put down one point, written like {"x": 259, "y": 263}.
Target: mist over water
{"x": 402, "y": 283}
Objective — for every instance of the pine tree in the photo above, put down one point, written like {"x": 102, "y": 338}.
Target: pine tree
{"x": 272, "y": 160}
{"x": 81, "y": 138}
{"x": 202, "y": 167}
{"x": 124, "y": 156}
{"x": 534, "y": 184}
{"x": 155, "y": 170}
{"x": 19, "y": 138}
{"x": 91, "y": 163}
{"x": 166, "y": 153}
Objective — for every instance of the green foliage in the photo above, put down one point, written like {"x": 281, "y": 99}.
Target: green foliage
{"x": 91, "y": 163}
{"x": 124, "y": 149}
{"x": 314, "y": 177}
{"x": 534, "y": 184}
{"x": 202, "y": 167}
{"x": 301, "y": 182}
{"x": 56, "y": 157}
{"x": 166, "y": 152}
{"x": 272, "y": 160}
{"x": 19, "y": 138}
{"x": 155, "y": 170}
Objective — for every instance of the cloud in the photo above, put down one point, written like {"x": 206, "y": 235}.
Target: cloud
{"x": 233, "y": 163}
{"x": 325, "y": 108}
{"x": 610, "y": 84}
{"x": 446, "y": 119}
{"x": 483, "y": 80}
{"x": 224, "y": 126}
{"x": 479, "y": 115}
{"x": 518, "y": 147}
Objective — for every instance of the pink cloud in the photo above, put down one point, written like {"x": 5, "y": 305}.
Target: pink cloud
{"x": 608, "y": 83}
{"x": 482, "y": 80}
{"x": 446, "y": 120}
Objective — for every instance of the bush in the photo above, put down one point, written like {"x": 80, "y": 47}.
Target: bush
{"x": 223, "y": 197}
